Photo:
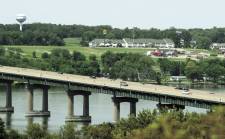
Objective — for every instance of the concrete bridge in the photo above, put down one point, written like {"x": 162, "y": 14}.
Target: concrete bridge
{"x": 83, "y": 85}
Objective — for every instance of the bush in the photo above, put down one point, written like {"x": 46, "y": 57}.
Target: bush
{"x": 2, "y": 129}
{"x": 68, "y": 132}
{"x": 35, "y": 131}
{"x": 213, "y": 54}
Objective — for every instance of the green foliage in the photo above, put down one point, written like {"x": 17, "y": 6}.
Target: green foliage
{"x": 12, "y": 134}
{"x": 68, "y": 132}
{"x": 193, "y": 71}
{"x": 2, "y": 51}
{"x": 45, "y": 55}
{"x": 102, "y": 131}
{"x": 147, "y": 125}
{"x": 34, "y": 54}
{"x": 35, "y": 131}
{"x": 2, "y": 129}
{"x": 77, "y": 56}
{"x": 128, "y": 66}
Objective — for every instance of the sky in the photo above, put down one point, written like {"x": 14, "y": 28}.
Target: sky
{"x": 143, "y": 14}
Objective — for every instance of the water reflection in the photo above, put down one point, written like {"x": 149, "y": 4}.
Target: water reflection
{"x": 101, "y": 108}
{"x": 7, "y": 118}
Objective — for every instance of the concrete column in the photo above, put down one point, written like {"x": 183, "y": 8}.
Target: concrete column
{"x": 8, "y": 94}
{"x": 45, "y": 123}
{"x": 8, "y": 120}
{"x": 70, "y": 105}
{"x": 133, "y": 108}
{"x": 86, "y": 105}
{"x": 116, "y": 114}
{"x": 30, "y": 98}
{"x": 30, "y": 121}
{"x": 45, "y": 99}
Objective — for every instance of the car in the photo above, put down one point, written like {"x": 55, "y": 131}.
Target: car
{"x": 185, "y": 91}
{"x": 179, "y": 88}
{"x": 93, "y": 77}
{"x": 123, "y": 84}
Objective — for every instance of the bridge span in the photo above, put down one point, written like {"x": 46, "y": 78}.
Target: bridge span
{"x": 84, "y": 86}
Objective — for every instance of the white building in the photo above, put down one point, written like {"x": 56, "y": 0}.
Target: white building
{"x": 149, "y": 43}
{"x": 220, "y": 46}
{"x": 106, "y": 43}
{"x": 133, "y": 43}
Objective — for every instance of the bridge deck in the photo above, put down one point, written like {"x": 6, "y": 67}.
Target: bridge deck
{"x": 159, "y": 89}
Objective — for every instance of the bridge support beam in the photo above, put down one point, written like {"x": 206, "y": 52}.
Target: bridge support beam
{"x": 170, "y": 106}
{"x": 44, "y": 112}
{"x": 8, "y": 106}
{"x": 75, "y": 118}
{"x": 116, "y": 104}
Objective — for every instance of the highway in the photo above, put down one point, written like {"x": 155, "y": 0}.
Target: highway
{"x": 134, "y": 86}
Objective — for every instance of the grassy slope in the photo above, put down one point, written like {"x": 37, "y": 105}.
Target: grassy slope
{"x": 73, "y": 44}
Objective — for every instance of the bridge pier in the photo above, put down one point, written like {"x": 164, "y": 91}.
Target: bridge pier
{"x": 75, "y": 118}
{"x": 44, "y": 111}
{"x": 8, "y": 106}
{"x": 116, "y": 104}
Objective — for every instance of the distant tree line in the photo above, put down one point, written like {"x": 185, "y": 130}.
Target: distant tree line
{"x": 126, "y": 66}
{"x": 137, "y": 67}
{"x": 52, "y": 34}
{"x": 59, "y": 60}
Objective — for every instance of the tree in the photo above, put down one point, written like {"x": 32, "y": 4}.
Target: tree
{"x": 2, "y": 51}
{"x": 34, "y": 54}
{"x": 215, "y": 71}
{"x": 45, "y": 55}
{"x": 165, "y": 65}
{"x": 193, "y": 71}
{"x": 77, "y": 56}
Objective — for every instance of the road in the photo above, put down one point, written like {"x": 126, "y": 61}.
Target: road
{"x": 135, "y": 86}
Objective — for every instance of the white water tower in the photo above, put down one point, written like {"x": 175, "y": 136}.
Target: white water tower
{"x": 21, "y": 18}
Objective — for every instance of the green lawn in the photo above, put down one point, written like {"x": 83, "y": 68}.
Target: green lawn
{"x": 73, "y": 44}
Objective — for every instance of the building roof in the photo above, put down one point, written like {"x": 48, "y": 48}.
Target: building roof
{"x": 149, "y": 41}
{"x": 98, "y": 41}
{"x": 135, "y": 41}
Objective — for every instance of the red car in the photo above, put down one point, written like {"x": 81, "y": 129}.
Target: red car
{"x": 156, "y": 53}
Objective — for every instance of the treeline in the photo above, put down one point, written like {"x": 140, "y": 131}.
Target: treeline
{"x": 126, "y": 66}
{"x": 147, "y": 125}
{"x": 207, "y": 70}
{"x": 129, "y": 66}
{"x": 137, "y": 67}
{"x": 52, "y": 34}
{"x": 59, "y": 60}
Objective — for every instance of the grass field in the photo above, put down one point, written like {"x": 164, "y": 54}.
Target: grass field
{"x": 73, "y": 44}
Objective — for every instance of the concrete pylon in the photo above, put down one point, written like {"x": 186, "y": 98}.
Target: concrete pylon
{"x": 116, "y": 106}
{"x": 45, "y": 99}
{"x": 30, "y": 95}
{"x": 86, "y": 105}
{"x": 116, "y": 113}
{"x": 133, "y": 108}
{"x": 76, "y": 118}
{"x": 8, "y": 105}
{"x": 44, "y": 112}
{"x": 70, "y": 105}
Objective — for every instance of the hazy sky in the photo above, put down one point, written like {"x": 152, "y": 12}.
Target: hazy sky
{"x": 118, "y": 13}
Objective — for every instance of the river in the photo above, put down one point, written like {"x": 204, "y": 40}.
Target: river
{"x": 101, "y": 108}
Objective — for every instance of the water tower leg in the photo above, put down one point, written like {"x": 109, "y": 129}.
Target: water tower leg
{"x": 21, "y": 27}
